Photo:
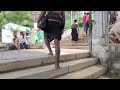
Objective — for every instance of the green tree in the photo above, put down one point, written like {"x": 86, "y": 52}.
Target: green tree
{"x": 70, "y": 16}
{"x": 18, "y": 17}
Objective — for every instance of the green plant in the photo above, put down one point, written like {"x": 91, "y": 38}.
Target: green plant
{"x": 80, "y": 24}
{"x": 70, "y": 18}
{"x": 68, "y": 24}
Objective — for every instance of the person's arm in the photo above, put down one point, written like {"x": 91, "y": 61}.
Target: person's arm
{"x": 42, "y": 14}
{"x": 14, "y": 40}
{"x": 78, "y": 27}
{"x": 63, "y": 16}
{"x": 18, "y": 43}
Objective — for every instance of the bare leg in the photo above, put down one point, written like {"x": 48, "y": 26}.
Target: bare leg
{"x": 86, "y": 30}
{"x": 57, "y": 53}
{"x": 72, "y": 42}
{"x": 48, "y": 45}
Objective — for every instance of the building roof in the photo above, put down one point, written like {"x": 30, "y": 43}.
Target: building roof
{"x": 15, "y": 26}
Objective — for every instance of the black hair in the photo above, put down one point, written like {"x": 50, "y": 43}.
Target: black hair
{"x": 75, "y": 20}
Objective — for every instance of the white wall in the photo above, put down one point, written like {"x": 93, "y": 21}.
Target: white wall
{"x": 98, "y": 30}
{"x": 6, "y": 36}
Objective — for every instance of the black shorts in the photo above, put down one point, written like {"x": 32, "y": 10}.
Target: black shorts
{"x": 53, "y": 31}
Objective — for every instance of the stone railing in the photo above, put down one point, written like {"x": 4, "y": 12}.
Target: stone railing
{"x": 114, "y": 55}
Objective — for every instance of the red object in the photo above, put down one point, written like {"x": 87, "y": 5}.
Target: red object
{"x": 84, "y": 18}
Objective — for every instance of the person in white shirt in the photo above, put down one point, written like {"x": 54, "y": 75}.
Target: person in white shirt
{"x": 23, "y": 41}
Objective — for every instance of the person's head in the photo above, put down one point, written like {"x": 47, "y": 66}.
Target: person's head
{"x": 75, "y": 20}
{"x": 85, "y": 13}
{"x": 15, "y": 36}
{"x": 23, "y": 35}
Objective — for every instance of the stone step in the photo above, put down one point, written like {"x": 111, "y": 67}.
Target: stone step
{"x": 109, "y": 75}
{"x": 13, "y": 65}
{"x": 76, "y": 47}
{"x": 76, "y": 44}
{"x": 69, "y": 39}
{"x": 47, "y": 72}
{"x": 2, "y": 47}
{"x": 91, "y": 72}
{"x": 40, "y": 46}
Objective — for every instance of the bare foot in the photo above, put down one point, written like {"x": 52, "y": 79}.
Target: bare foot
{"x": 57, "y": 66}
{"x": 50, "y": 54}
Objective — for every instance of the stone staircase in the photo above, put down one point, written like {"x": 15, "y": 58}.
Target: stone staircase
{"x": 2, "y": 47}
{"x": 66, "y": 43}
{"x": 73, "y": 66}
{"x": 81, "y": 44}
{"x": 37, "y": 46}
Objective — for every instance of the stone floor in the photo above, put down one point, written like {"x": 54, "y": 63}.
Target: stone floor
{"x": 16, "y": 55}
{"x": 109, "y": 76}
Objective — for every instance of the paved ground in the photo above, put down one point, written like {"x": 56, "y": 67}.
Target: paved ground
{"x": 16, "y": 55}
{"x": 109, "y": 76}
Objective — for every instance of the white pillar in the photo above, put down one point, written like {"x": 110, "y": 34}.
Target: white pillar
{"x": 98, "y": 50}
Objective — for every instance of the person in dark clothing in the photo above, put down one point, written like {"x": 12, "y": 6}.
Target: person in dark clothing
{"x": 74, "y": 33}
{"x": 53, "y": 32}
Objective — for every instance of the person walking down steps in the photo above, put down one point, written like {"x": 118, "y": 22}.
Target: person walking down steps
{"x": 55, "y": 22}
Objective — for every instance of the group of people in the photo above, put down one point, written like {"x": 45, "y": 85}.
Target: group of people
{"x": 75, "y": 27}
{"x": 85, "y": 21}
{"x": 19, "y": 42}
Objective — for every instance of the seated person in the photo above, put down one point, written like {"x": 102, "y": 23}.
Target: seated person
{"x": 23, "y": 42}
{"x": 15, "y": 45}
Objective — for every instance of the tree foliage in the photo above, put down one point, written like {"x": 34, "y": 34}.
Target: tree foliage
{"x": 25, "y": 17}
{"x": 18, "y": 17}
{"x": 71, "y": 16}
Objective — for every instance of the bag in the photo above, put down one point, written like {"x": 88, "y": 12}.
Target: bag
{"x": 43, "y": 24}
{"x": 56, "y": 16}
{"x": 51, "y": 15}
{"x": 62, "y": 24}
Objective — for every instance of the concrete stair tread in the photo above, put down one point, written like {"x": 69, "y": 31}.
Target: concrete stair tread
{"x": 91, "y": 72}
{"x": 109, "y": 75}
{"x": 37, "y": 46}
{"x": 76, "y": 44}
{"x": 80, "y": 40}
{"x": 2, "y": 45}
{"x": 30, "y": 62}
{"x": 45, "y": 72}
{"x": 75, "y": 47}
